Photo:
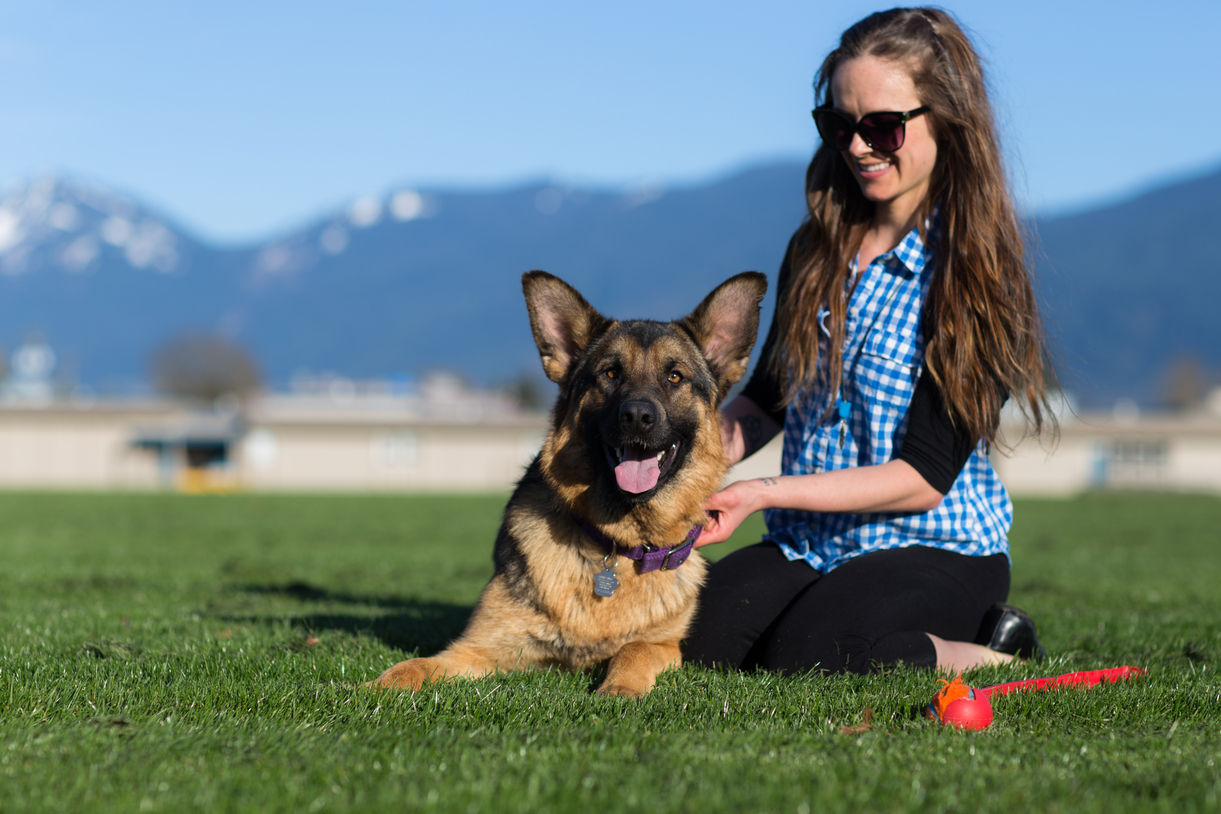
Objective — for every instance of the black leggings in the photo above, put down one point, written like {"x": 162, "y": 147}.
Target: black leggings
{"x": 760, "y": 610}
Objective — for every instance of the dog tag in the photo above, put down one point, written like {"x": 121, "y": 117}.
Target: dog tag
{"x": 605, "y": 583}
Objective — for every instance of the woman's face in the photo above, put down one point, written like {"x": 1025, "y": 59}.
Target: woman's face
{"x": 900, "y": 179}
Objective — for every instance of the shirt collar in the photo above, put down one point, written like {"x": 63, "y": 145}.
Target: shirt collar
{"x": 912, "y": 252}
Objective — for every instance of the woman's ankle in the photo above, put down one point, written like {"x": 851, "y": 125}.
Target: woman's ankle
{"x": 954, "y": 657}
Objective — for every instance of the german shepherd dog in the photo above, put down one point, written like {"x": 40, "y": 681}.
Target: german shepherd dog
{"x": 594, "y": 562}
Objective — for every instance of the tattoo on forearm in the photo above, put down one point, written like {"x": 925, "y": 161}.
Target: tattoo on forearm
{"x": 769, "y": 481}
{"x": 752, "y": 433}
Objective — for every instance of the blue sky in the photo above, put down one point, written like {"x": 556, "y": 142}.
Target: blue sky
{"x": 242, "y": 118}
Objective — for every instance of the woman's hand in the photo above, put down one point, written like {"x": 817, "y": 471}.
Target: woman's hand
{"x": 728, "y": 508}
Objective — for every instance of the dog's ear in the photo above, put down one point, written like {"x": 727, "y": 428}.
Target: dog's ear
{"x": 724, "y": 326}
{"x": 562, "y": 321}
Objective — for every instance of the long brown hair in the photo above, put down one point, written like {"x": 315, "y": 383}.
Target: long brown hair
{"x": 985, "y": 340}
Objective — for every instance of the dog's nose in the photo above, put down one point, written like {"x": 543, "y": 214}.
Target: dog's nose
{"x": 637, "y": 416}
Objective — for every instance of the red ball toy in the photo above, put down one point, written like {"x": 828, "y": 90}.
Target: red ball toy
{"x": 958, "y": 705}
{"x": 968, "y": 713}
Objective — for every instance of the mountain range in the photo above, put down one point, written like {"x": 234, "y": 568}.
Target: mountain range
{"x": 415, "y": 280}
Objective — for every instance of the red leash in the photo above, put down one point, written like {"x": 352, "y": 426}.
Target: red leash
{"x": 966, "y": 708}
{"x": 1086, "y": 679}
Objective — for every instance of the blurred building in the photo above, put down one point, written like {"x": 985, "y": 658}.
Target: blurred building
{"x": 1123, "y": 449}
{"x": 337, "y": 436}
{"x": 441, "y": 435}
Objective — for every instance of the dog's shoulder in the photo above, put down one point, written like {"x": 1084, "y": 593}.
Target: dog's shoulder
{"x": 540, "y": 549}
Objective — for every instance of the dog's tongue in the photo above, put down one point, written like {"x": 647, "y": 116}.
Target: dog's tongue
{"x": 638, "y": 471}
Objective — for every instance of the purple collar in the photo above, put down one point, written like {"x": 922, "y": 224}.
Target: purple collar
{"x": 651, "y": 557}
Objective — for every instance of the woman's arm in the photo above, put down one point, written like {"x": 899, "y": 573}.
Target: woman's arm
{"x": 933, "y": 453}
{"x": 745, "y": 429}
{"x": 894, "y": 486}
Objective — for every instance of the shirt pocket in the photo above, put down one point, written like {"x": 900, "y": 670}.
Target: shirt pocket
{"x": 890, "y": 364}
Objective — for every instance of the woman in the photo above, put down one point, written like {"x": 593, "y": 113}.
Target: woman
{"x": 904, "y": 320}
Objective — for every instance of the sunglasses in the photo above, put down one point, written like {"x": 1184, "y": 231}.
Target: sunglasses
{"x": 883, "y": 131}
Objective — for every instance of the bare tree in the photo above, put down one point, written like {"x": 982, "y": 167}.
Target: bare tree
{"x": 1185, "y": 383}
{"x": 203, "y": 368}
{"x": 529, "y": 392}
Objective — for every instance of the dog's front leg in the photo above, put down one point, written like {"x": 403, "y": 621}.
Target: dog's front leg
{"x": 633, "y": 670}
{"x": 456, "y": 662}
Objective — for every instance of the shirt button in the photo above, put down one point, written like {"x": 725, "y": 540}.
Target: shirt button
{"x": 853, "y": 310}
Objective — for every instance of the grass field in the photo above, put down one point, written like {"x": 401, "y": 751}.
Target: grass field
{"x": 167, "y": 653}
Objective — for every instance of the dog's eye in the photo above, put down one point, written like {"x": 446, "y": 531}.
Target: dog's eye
{"x": 612, "y": 373}
{"x": 675, "y": 377}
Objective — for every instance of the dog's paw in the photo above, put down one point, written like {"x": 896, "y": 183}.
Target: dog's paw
{"x": 406, "y": 675}
{"x": 622, "y": 691}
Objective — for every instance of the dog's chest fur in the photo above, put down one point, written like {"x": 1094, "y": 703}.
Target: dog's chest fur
{"x": 548, "y": 564}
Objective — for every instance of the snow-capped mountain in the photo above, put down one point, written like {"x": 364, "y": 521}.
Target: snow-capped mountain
{"x": 414, "y": 280}
{"x": 71, "y": 225}
{"x": 332, "y": 236}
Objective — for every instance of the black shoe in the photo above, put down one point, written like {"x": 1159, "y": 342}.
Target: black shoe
{"x": 1007, "y": 629}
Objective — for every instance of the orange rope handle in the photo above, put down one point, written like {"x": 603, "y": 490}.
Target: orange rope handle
{"x": 950, "y": 691}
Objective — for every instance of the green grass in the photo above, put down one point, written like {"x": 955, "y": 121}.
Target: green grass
{"x": 167, "y": 653}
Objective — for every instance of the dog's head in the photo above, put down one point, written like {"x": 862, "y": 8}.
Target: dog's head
{"x": 636, "y": 421}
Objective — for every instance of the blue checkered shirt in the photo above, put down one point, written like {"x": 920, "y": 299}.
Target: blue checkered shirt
{"x": 883, "y": 356}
